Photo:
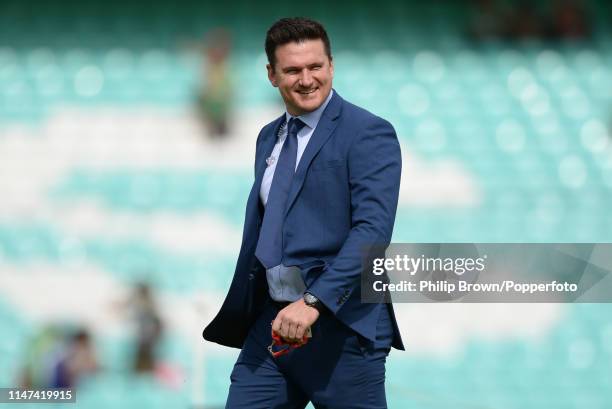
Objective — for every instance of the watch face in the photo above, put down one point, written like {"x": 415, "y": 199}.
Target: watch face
{"x": 310, "y": 299}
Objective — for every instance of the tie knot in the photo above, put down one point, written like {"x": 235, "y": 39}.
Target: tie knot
{"x": 294, "y": 126}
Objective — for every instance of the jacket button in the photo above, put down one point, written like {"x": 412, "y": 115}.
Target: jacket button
{"x": 251, "y": 276}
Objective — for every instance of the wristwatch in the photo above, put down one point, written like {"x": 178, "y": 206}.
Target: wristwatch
{"x": 313, "y": 302}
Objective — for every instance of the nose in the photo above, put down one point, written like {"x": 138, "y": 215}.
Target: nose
{"x": 306, "y": 78}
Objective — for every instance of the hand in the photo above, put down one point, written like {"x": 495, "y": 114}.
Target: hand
{"x": 292, "y": 321}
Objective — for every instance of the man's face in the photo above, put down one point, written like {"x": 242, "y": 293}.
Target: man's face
{"x": 303, "y": 74}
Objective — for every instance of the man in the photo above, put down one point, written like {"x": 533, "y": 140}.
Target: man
{"x": 327, "y": 177}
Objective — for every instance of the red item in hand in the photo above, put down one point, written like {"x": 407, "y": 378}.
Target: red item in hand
{"x": 285, "y": 345}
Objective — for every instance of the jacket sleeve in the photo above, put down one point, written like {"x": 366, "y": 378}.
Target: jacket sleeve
{"x": 374, "y": 163}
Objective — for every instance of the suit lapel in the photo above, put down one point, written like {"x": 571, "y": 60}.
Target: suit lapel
{"x": 267, "y": 145}
{"x": 322, "y": 132}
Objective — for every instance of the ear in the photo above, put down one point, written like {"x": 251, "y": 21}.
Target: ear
{"x": 331, "y": 66}
{"x": 271, "y": 76}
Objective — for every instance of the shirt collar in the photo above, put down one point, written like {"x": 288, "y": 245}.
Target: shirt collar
{"x": 311, "y": 119}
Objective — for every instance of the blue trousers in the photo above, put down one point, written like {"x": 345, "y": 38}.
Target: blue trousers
{"x": 336, "y": 369}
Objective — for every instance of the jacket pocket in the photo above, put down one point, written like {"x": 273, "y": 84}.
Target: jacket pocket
{"x": 327, "y": 164}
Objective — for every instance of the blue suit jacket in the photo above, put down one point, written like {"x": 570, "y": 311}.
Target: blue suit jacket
{"x": 344, "y": 197}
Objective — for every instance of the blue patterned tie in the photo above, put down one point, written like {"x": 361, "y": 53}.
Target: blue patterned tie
{"x": 270, "y": 244}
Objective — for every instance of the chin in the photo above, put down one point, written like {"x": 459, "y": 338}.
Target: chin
{"x": 309, "y": 106}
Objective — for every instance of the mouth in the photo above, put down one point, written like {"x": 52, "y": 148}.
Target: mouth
{"x": 307, "y": 92}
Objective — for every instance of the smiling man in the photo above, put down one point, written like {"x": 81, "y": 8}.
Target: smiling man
{"x": 327, "y": 177}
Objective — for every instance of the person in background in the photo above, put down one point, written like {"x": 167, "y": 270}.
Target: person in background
{"x": 77, "y": 362}
{"x": 570, "y": 20}
{"x": 488, "y": 20}
{"x": 148, "y": 328}
{"x": 526, "y": 21}
{"x": 58, "y": 357}
{"x": 42, "y": 353}
{"x": 215, "y": 96}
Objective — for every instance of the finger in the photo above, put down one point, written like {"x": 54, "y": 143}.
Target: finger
{"x": 293, "y": 329}
{"x": 299, "y": 333}
{"x": 285, "y": 328}
{"x": 276, "y": 324}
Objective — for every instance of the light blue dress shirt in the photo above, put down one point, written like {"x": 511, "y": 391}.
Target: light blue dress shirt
{"x": 286, "y": 283}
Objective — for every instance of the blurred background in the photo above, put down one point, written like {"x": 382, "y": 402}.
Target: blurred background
{"x": 127, "y": 133}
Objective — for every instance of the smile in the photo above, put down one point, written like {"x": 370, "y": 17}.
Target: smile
{"x": 307, "y": 92}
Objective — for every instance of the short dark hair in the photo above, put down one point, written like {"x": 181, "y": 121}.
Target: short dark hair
{"x": 296, "y": 29}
